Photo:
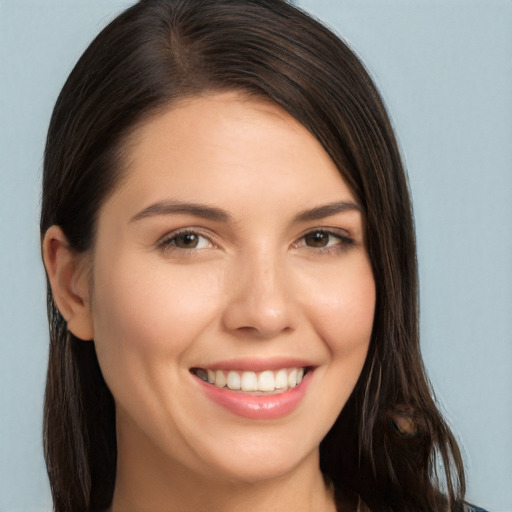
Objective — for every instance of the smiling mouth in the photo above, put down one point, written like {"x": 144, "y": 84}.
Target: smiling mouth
{"x": 264, "y": 382}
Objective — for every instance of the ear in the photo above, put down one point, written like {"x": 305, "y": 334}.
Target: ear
{"x": 68, "y": 275}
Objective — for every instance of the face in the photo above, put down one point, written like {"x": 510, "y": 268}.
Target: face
{"x": 232, "y": 297}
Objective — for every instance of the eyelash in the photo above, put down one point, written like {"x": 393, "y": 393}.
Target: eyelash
{"x": 168, "y": 243}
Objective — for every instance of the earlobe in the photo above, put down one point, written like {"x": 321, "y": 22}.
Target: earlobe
{"x": 69, "y": 280}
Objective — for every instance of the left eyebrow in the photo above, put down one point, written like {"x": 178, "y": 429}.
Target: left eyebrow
{"x": 327, "y": 210}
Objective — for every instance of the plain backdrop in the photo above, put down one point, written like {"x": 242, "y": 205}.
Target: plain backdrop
{"x": 445, "y": 70}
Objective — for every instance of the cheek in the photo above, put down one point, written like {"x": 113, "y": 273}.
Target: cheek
{"x": 342, "y": 313}
{"x": 344, "y": 309}
{"x": 147, "y": 316}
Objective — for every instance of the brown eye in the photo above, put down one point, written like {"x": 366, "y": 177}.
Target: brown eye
{"x": 317, "y": 239}
{"x": 186, "y": 241}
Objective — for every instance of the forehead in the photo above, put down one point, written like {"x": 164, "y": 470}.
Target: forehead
{"x": 232, "y": 149}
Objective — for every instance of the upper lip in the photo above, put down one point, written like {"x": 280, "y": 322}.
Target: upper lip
{"x": 257, "y": 364}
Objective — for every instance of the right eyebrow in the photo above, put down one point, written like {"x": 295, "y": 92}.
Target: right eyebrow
{"x": 173, "y": 207}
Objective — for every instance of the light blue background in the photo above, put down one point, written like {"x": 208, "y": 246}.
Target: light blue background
{"x": 445, "y": 70}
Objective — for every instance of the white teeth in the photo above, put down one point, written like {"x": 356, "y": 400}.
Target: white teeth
{"x": 249, "y": 381}
{"x": 233, "y": 380}
{"x": 266, "y": 381}
{"x": 281, "y": 379}
{"x": 292, "y": 378}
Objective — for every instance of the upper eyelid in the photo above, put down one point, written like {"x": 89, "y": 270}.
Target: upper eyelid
{"x": 188, "y": 229}
{"x": 342, "y": 232}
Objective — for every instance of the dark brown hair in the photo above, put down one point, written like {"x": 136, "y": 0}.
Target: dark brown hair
{"x": 390, "y": 445}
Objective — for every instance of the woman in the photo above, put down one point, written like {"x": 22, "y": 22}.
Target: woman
{"x": 229, "y": 246}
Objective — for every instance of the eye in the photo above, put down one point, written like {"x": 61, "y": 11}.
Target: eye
{"x": 185, "y": 240}
{"x": 320, "y": 239}
{"x": 326, "y": 241}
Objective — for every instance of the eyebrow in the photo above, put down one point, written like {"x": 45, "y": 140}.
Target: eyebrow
{"x": 327, "y": 210}
{"x": 176, "y": 207}
{"x": 219, "y": 215}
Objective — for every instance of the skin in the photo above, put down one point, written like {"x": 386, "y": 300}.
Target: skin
{"x": 255, "y": 286}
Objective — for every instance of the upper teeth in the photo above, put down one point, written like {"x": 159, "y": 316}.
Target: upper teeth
{"x": 268, "y": 380}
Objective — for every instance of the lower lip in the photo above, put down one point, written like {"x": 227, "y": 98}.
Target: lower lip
{"x": 258, "y": 407}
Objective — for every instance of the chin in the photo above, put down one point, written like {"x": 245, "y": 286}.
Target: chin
{"x": 259, "y": 471}
{"x": 253, "y": 461}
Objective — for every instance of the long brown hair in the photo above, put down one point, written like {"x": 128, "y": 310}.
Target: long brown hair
{"x": 389, "y": 446}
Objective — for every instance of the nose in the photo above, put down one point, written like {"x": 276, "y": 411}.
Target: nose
{"x": 260, "y": 302}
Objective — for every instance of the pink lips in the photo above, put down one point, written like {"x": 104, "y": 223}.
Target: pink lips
{"x": 269, "y": 406}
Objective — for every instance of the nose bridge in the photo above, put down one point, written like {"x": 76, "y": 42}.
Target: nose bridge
{"x": 261, "y": 302}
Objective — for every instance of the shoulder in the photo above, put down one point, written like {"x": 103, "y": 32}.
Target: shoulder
{"x": 472, "y": 508}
